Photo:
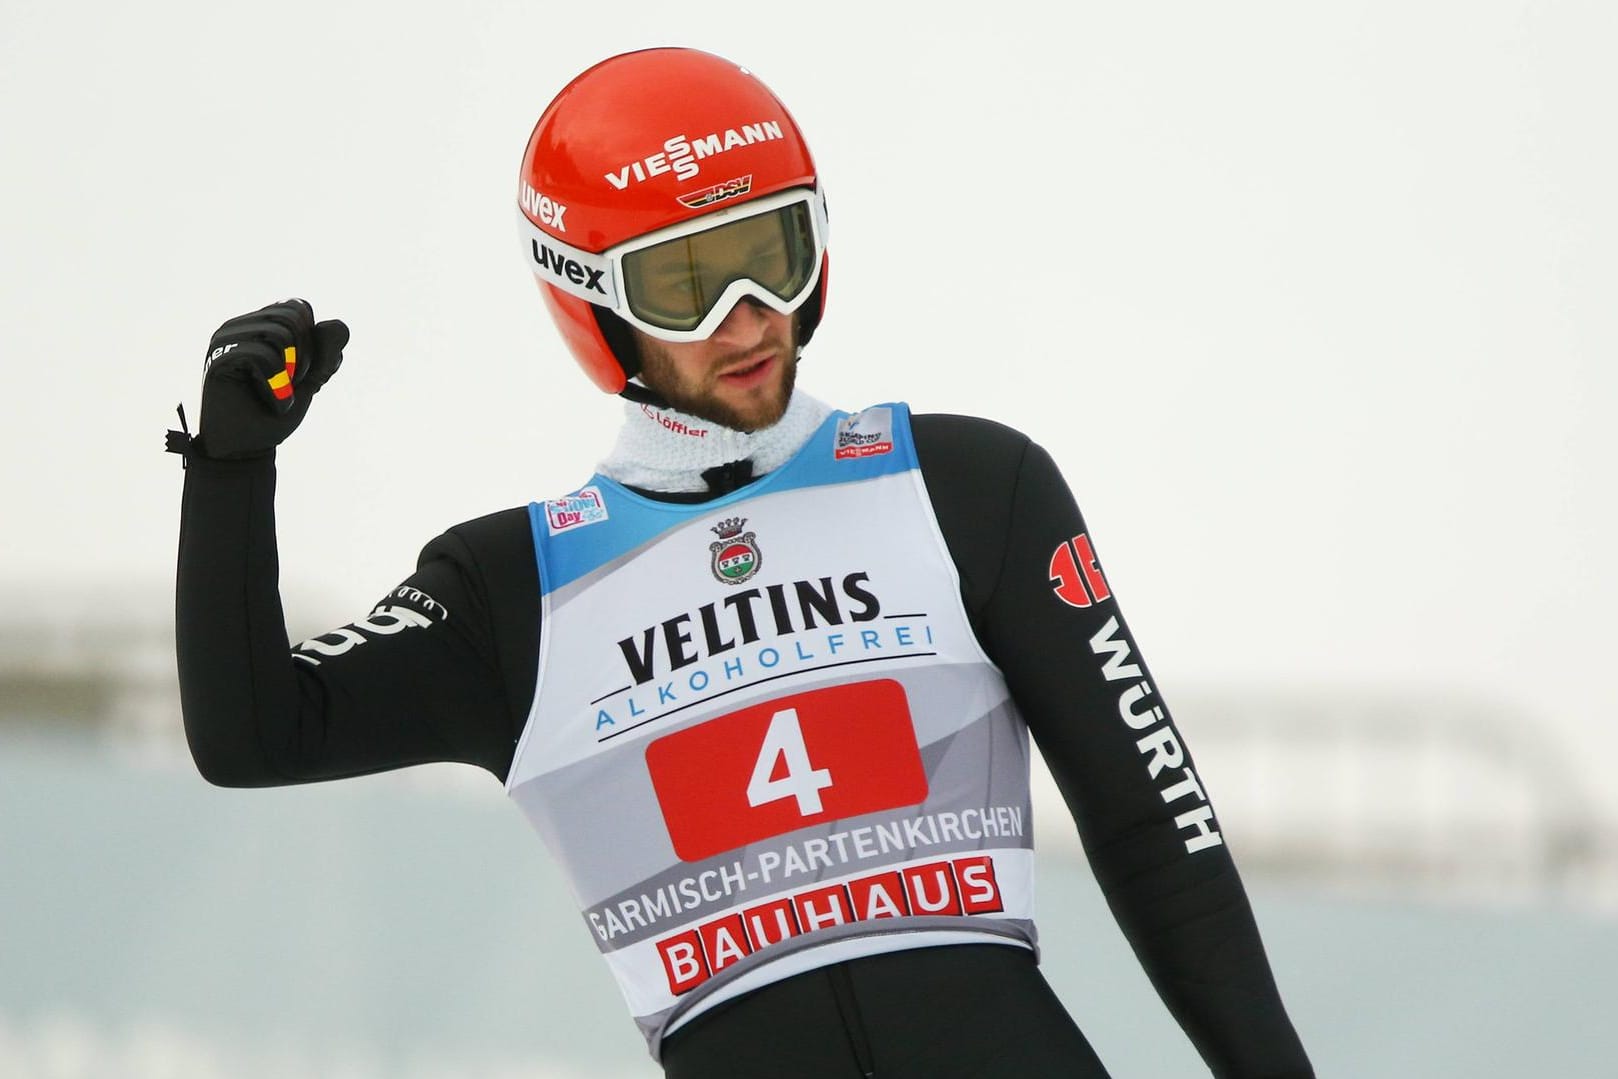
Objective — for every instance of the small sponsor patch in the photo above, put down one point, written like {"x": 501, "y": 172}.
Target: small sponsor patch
{"x": 584, "y": 507}
{"x": 730, "y": 189}
{"x": 1076, "y": 574}
{"x": 864, "y": 434}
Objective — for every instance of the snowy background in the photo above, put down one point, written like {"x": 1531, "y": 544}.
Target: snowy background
{"x": 1313, "y": 304}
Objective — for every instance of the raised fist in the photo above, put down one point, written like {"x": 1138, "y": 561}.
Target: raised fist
{"x": 261, "y": 371}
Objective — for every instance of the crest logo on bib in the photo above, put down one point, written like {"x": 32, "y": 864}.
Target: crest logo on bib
{"x": 736, "y": 556}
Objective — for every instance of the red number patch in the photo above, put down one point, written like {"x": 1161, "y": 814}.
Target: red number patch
{"x": 786, "y": 764}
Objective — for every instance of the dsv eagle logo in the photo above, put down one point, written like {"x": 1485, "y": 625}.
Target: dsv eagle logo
{"x": 735, "y": 556}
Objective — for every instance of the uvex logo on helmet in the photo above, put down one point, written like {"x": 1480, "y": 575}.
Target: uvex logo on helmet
{"x": 542, "y": 208}
{"x": 680, "y": 155}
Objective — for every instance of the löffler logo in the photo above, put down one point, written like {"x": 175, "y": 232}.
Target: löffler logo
{"x": 958, "y": 886}
{"x": 735, "y": 556}
{"x": 670, "y": 423}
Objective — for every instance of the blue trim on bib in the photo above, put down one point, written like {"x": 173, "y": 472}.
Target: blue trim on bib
{"x": 604, "y": 520}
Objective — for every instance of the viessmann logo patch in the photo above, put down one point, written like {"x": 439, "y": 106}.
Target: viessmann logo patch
{"x": 680, "y": 154}
{"x": 864, "y": 434}
{"x": 584, "y": 507}
{"x": 735, "y": 555}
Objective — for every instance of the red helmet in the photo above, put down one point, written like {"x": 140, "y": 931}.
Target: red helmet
{"x": 658, "y": 189}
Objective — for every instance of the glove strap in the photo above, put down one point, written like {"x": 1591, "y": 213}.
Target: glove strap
{"x": 180, "y": 441}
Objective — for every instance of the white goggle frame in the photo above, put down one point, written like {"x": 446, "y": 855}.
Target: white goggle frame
{"x": 599, "y": 278}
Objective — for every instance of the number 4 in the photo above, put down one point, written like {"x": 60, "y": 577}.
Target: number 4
{"x": 803, "y": 781}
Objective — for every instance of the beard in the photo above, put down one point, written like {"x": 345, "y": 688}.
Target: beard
{"x": 698, "y": 396}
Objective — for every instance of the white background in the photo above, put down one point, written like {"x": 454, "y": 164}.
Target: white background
{"x": 1313, "y": 303}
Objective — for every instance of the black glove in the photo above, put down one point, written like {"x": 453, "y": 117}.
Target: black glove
{"x": 261, "y": 372}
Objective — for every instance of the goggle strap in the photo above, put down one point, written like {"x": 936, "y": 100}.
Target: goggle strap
{"x": 578, "y": 273}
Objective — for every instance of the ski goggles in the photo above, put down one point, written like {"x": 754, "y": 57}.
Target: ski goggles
{"x": 678, "y": 283}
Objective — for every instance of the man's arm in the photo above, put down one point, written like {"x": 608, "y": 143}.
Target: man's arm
{"x": 417, "y": 679}
{"x": 1045, "y": 614}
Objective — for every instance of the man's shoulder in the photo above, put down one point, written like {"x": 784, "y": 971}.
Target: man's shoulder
{"x": 971, "y": 467}
{"x": 967, "y": 446}
{"x": 498, "y": 523}
{"x": 499, "y": 538}
{"x": 974, "y": 427}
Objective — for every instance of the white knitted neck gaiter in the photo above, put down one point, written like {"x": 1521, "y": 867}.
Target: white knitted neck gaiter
{"x": 660, "y": 449}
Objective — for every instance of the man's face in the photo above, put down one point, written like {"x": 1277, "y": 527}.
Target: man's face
{"x": 740, "y": 377}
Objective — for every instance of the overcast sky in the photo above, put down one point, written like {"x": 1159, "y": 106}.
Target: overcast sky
{"x": 1313, "y": 303}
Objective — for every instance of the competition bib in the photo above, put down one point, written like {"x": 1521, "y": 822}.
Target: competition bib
{"x": 764, "y": 737}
